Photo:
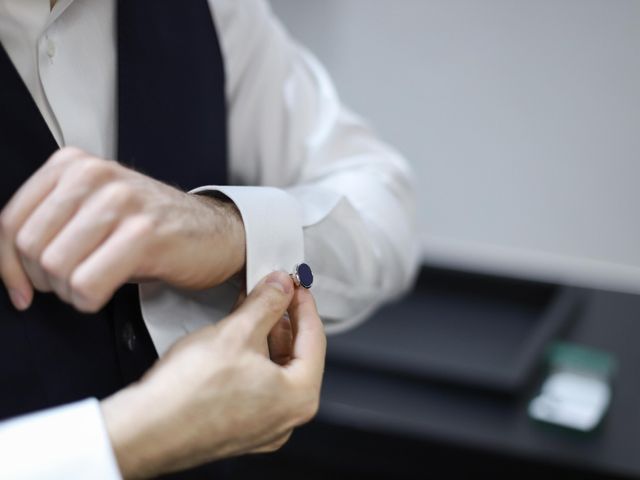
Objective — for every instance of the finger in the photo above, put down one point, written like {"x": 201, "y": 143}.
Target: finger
{"x": 281, "y": 341}
{"x": 264, "y": 306}
{"x": 20, "y": 207}
{"x": 310, "y": 344}
{"x": 81, "y": 236}
{"x": 36, "y": 188}
{"x": 14, "y": 277}
{"x": 37, "y": 276}
{"x": 110, "y": 266}
{"x": 242, "y": 296}
{"x": 53, "y": 212}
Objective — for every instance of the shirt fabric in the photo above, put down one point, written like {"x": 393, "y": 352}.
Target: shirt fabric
{"x": 311, "y": 181}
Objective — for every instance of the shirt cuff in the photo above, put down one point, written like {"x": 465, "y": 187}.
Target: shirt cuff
{"x": 273, "y": 229}
{"x": 274, "y": 241}
{"x": 69, "y": 442}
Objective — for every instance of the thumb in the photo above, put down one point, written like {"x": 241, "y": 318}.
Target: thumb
{"x": 264, "y": 306}
{"x": 310, "y": 344}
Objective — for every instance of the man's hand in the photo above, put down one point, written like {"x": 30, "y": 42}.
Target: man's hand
{"x": 82, "y": 227}
{"x": 215, "y": 394}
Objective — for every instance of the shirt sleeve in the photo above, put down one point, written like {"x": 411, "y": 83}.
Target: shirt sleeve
{"x": 68, "y": 442}
{"x": 353, "y": 193}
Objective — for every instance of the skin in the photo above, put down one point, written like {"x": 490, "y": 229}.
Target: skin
{"x": 82, "y": 226}
{"x": 216, "y": 394}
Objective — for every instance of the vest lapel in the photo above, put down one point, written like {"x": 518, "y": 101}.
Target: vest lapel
{"x": 25, "y": 139}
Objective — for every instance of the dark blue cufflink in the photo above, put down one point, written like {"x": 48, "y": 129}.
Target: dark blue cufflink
{"x": 302, "y": 276}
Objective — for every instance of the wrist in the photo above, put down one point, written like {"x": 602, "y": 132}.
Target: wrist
{"x": 201, "y": 246}
{"x": 128, "y": 417}
{"x": 228, "y": 233}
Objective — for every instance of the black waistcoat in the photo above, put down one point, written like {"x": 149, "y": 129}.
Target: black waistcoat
{"x": 172, "y": 126}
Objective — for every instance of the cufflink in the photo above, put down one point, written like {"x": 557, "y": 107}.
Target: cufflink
{"x": 302, "y": 276}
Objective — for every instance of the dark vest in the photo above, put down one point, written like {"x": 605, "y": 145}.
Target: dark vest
{"x": 171, "y": 126}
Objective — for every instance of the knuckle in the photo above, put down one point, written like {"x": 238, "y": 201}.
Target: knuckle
{"x": 41, "y": 285}
{"x": 84, "y": 295}
{"x": 52, "y": 265}
{"x": 60, "y": 288}
{"x": 7, "y": 226}
{"x": 66, "y": 200}
{"x": 272, "y": 302}
{"x": 27, "y": 245}
{"x": 117, "y": 190}
{"x": 93, "y": 168}
{"x": 120, "y": 194}
{"x": 86, "y": 306}
{"x": 36, "y": 276}
{"x": 142, "y": 226}
{"x": 80, "y": 287}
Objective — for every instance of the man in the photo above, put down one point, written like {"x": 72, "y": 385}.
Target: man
{"x": 190, "y": 94}
{"x": 214, "y": 395}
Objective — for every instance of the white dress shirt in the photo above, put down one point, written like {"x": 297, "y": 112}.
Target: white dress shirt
{"x": 309, "y": 178}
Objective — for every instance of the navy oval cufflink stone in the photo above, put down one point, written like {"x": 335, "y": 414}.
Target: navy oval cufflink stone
{"x": 303, "y": 275}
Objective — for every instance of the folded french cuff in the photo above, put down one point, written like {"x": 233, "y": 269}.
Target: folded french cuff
{"x": 70, "y": 441}
{"x": 274, "y": 241}
{"x": 273, "y": 229}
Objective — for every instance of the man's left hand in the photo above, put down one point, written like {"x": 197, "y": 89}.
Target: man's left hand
{"x": 82, "y": 226}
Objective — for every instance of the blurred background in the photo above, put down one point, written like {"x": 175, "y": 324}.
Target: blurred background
{"x": 517, "y": 350}
{"x": 521, "y": 119}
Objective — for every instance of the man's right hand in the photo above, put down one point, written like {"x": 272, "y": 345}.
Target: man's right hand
{"x": 215, "y": 394}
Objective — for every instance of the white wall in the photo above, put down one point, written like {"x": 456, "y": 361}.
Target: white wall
{"x": 521, "y": 118}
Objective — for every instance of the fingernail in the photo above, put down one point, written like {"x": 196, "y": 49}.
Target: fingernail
{"x": 18, "y": 299}
{"x": 281, "y": 281}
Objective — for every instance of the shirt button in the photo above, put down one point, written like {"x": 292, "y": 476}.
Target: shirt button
{"x": 129, "y": 337}
{"x": 51, "y": 48}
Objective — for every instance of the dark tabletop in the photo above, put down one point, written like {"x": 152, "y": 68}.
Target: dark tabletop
{"x": 408, "y": 407}
{"x": 381, "y": 423}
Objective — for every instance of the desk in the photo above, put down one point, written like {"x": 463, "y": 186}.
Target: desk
{"x": 383, "y": 426}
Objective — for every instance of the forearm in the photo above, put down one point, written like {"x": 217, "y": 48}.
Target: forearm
{"x": 134, "y": 420}
{"x": 227, "y": 234}
{"x": 149, "y": 429}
